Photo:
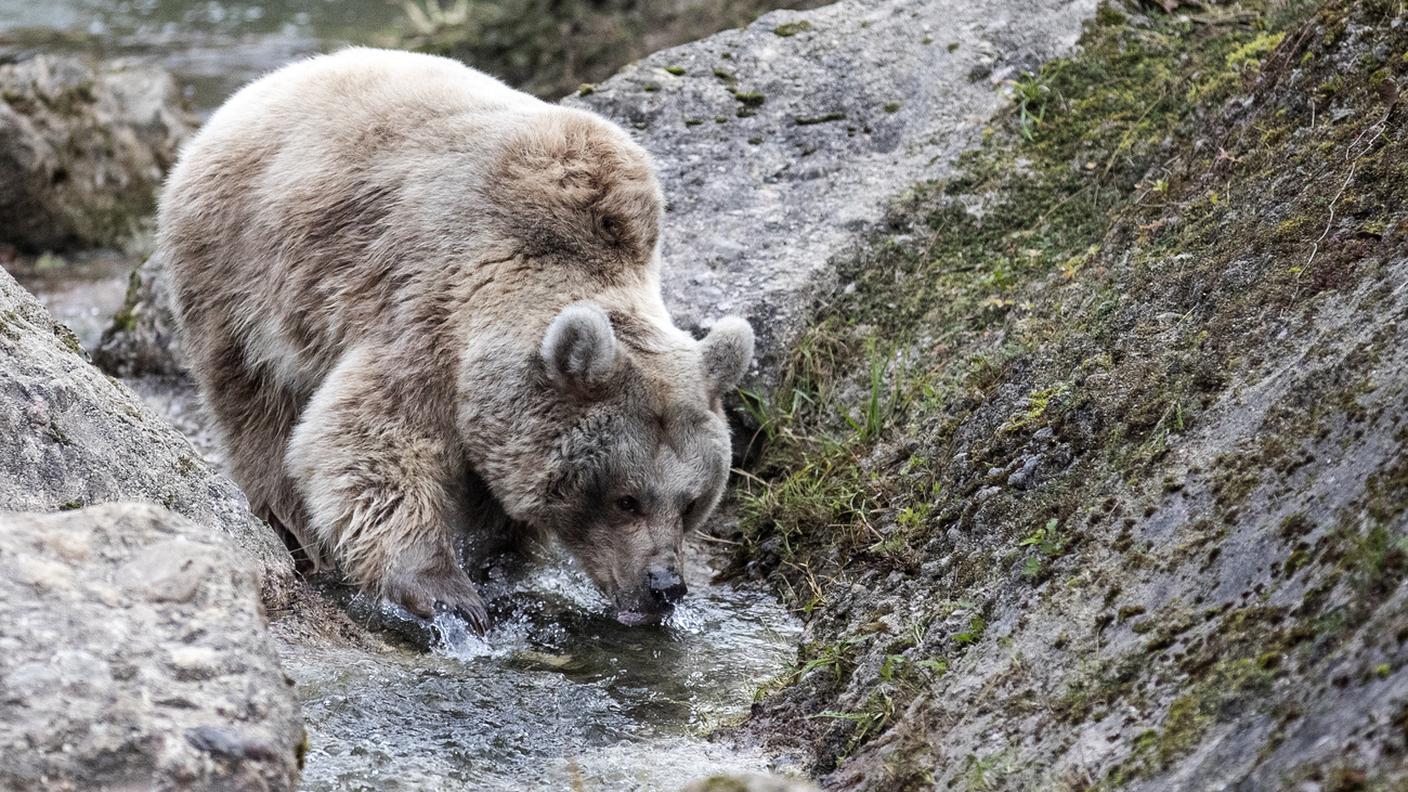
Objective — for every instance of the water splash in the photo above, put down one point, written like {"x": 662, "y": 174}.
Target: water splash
{"x": 556, "y": 693}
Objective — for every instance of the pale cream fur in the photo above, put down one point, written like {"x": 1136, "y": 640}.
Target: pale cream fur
{"x": 374, "y": 254}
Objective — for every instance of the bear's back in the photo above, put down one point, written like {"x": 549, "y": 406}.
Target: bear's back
{"x": 287, "y": 220}
{"x": 374, "y": 190}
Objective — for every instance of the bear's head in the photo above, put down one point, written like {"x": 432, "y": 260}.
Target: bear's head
{"x": 629, "y": 452}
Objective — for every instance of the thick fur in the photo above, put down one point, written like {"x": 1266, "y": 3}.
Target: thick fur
{"x": 395, "y": 277}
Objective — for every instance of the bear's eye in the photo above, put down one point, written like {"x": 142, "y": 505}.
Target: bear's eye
{"x": 689, "y": 507}
{"x": 628, "y": 504}
{"x": 609, "y": 226}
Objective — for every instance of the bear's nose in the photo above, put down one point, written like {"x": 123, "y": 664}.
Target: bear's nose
{"x": 665, "y": 584}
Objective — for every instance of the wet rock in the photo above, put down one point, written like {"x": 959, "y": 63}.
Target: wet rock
{"x": 1203, "y": 585}
{"x": 72, "y": 437}
{"x": 550, "y": 47}
{"x": 135, "y": 656}
{"x": 1021, "y": 478}
{"x": 781, "y": 144}
{"x": 82, "y": 149}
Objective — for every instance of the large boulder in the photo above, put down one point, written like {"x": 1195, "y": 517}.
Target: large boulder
{"x": 71, "y": 437}
{"x": 82, "y": 149}
{"x": 780, "y": 146}
{"x": 135, "y": 655}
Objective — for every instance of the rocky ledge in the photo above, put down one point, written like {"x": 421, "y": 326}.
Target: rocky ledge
{"x": 135, "y": 655}
{"x": 82, "y": 149}
{"x": 71, "y": 437}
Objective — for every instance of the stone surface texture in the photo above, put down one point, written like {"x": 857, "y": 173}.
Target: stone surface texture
{"x": 82, "y": 149}
{"x": 781, "y": 144}
{"x": 135, "y": 655}
{"x": 71, "y": 437}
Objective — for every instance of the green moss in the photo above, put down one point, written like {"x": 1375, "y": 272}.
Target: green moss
{"x": 749, "y": 98}
{"x": 675, "y": 70}
{"x": 824, "y": 118}
{"x": 68, "y": 339}
{"x": 1056, "y": 287}
{"x": 125, "y": 319}
{"x": 1252, "y": 52}
{"x": 790, "y": 29}
{"x": 893, "y": 107}
{"x": 586, "y": 89}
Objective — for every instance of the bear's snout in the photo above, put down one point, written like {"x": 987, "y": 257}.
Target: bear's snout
{"x": 653, "y": 598}
{"x": 665, "y": 584}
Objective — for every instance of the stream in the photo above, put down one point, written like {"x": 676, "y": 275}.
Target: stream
{"x": 556, "y": 696}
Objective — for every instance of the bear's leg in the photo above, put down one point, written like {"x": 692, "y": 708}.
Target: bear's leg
{"x": 374, "y": 471}
{"x": 254, "y": 416}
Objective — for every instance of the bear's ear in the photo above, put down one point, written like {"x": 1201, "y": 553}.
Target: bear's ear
{"x": 727, "y": 352}
{"x": 579, "y": 351}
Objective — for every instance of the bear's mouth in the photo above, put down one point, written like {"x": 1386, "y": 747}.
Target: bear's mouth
{"x": 640, "y": 611}
{"x": 638, "y": 618}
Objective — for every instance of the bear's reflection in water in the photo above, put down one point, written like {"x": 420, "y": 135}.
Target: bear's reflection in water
{"x": 555, "y": 694}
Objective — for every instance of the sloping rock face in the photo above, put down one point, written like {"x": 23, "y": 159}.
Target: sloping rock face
{"x": 83, "y": 149}
{"x": 135, "y": 655}
{"x": 71, "y": 437}
{"x": 1122, "y": 502}
{"x": 780, "y": 146}
{"x": 549, "y": 47}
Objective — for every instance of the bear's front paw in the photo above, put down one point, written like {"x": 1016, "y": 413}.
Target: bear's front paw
{"x": 427, "y": 594}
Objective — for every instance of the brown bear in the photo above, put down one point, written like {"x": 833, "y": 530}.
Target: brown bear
{"x": 402, "y": 283}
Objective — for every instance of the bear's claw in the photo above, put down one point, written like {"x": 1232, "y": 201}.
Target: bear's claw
{"x": 429, "y": 594}
{"x": 476, "y": 616}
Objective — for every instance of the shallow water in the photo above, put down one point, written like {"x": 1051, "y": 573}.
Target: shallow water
{"x": 212, "y": 47}
{"x": 557, "y": 695}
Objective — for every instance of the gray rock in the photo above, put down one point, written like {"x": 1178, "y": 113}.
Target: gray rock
{"x": 781, "y": 144}
{"x": 1021, "y": 478}
{"x": 142, "y": 339}
{"x": 72, "y": 437}
{"x": 82, "y": 149}
{"x": 135, "y": 655}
